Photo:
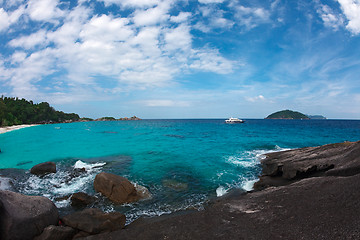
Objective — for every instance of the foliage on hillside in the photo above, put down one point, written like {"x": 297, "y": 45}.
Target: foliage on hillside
{"x": 287, "y": 114}
{"x": 14, "y": 111}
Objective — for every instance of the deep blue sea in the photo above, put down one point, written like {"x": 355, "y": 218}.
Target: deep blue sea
{"x": 183, "y": 163}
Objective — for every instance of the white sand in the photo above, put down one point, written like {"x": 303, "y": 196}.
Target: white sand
{"x": 16, "y": 127}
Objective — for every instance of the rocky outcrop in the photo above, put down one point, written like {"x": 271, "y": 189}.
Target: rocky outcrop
{"x": 281, "y": 168}
{"x": 118, "y": 189}
{"x": 43, "y": 168}
{"x": 93, "y": 221}
{"x": 24, "y": 217}
{"x": 56, "y": 233}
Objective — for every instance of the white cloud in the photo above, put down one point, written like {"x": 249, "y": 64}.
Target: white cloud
{"x": 132, "y": 3}
{"x": 30, "y": 41}
{"x": 210, "y": 1}
{"x": 44, "y": 10}
{"x": 182, "y": 17}
{"x": 330, "y": 18}
{"x": 9, "y": 18}
{"x": 178, "y": 38}
{"x": 210, "y": 60}
{"x": 251, "y": 17}
{"x": 351, "y": 9}
{"x": 152, "y": 16}
{"x": 256, "y": 99}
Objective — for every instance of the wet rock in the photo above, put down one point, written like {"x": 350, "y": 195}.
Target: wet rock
{"x": 24, "y": 217}
{"x": 118, "y": 189}
{"x": 281, "y": 168}
{"x": 56, "y": 233}
{"x": 81, "y": 199}
{"x": 94, "y": 221}
{"x": 43, "y": 168}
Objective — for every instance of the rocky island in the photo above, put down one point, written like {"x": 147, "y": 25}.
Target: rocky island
{"x": 287, "y": 114}
{"x": 307, "y": 193}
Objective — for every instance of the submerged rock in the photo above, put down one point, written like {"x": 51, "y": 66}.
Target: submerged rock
{"x": 118, "y": 189}
{"x": 94, "y": 221}
{"x": 24, "y": 217}
{"x": 175, "y": 185}
{"x": 43, "y": 168}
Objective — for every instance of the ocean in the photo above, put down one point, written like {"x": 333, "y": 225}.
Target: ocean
{"x": 183, "y": 163}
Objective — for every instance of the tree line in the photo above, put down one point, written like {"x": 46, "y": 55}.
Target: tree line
{"x": 15, "y": 111}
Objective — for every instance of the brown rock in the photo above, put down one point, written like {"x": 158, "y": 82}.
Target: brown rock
{"x": 24, "y": 217}
{"x": 93, "y": 221}
{"x": 43, "y": 168}
{"x": 81, "y": 199}
{"x": 118, "y": 189}
{"x": 56, "y": 233}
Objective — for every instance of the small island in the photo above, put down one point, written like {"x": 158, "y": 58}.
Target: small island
{"x": 287, "y": 114}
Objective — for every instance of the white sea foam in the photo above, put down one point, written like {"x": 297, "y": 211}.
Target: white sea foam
{"x": 248, "y": 160}
{"x": 221, "y": 191}
{"x": 63, "y": 182}
{"x": 249, "y": 185}
{"x": 87, "y": 166}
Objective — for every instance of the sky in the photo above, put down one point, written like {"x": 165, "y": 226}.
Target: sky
{"x": 183, "y": 58}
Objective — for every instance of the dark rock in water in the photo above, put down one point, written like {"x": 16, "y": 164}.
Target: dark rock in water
{"x": 56, "y": 233}
{"x": 93, "y": 221}
{"x": 43, "y": 168}
{"x": 81, "y": 199}
{"x": 24, "y": 217}
{"x": 281, "y": 168}
{"x": 118, "y": 189}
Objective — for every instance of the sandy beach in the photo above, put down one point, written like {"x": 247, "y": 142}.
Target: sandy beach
{"x": 16, "y": 127}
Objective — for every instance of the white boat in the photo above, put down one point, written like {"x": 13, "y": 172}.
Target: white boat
{"x": 234, "y": 120}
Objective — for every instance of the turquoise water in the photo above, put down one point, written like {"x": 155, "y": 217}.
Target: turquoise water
{"x": 183, "y": 163}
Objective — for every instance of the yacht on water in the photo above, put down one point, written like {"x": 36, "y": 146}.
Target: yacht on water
{"x": 234, "y": 120}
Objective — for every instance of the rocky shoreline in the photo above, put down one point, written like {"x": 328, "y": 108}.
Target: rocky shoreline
{"x": 307, "y": 193}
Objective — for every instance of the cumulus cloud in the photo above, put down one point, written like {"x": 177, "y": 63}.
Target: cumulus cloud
{"x": 256, "y": 99}
{"x": 330, "y": 18}
{"x": 44, "y": 10}
{"x": 8, "y": 18}
{"x": 251, "y": 17}
{"x": 210, "y": 1}
{"x": 103, "y": 53}
{"x": 351, "y": 9}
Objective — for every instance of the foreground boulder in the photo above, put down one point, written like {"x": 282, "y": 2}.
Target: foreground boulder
{"x": 56, "y": 233}
{"x": 94, "y": 221}
{"x": 43, "y": 168}
{"x": 118, "y": 189}
{"x": 24, "y": 217}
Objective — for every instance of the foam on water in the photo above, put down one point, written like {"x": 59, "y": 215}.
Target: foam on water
{"x": 221, "y": 191}
{"x": 62, "y": 183}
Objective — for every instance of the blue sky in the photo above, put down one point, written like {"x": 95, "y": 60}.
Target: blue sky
{"x": 183, "y": 58}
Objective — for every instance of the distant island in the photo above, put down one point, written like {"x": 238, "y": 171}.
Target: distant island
{"x": 288, "y": 114}
{"x": 15, "y": 111}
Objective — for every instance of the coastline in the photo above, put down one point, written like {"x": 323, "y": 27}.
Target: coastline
{"x": 15, "y": 127}
{"x": 306, "y": 193}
